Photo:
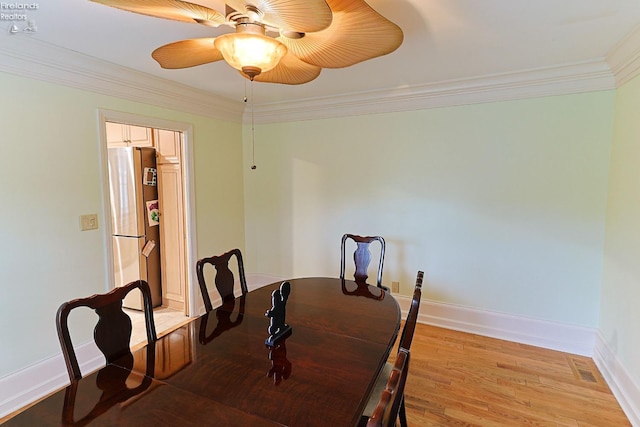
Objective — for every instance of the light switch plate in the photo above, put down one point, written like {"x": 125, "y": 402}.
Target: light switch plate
{"x": 88, "y": 222}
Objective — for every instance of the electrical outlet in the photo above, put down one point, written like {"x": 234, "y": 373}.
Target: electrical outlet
{"x": 88, "y": 222}
{"x": 395, "y": 287}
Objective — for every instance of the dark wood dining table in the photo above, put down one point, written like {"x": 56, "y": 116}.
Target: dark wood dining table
{"x": 217, "y": 369}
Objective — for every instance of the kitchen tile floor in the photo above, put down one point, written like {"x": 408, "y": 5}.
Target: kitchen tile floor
{"x": 166, "y": 320}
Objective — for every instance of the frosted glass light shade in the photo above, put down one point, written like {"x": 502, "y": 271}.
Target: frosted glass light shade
{"x": 249, "y": 52}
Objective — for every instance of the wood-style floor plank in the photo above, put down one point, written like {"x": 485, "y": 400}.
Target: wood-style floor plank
{"x": 461, "y": 379}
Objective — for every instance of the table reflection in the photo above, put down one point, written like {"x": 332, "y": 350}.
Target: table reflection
{"x": 361, "y": 289}
{"x": 280, "y": 365}
{"x": 223, "y": 319}
{"x": 114, "y": 383}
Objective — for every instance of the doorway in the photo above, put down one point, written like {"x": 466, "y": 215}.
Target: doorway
{"x": 172, "y": 142}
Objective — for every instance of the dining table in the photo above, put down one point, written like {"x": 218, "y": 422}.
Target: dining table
{"x": 222, "y": 369}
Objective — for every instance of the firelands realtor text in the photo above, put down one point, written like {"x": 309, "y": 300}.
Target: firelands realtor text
{"x": 16, "y": 11}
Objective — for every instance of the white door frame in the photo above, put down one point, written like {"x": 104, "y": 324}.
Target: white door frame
{"x": 187, "y": 156}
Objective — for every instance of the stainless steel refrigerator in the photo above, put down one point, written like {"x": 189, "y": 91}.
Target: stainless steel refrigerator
{"x": 135, "y": 221}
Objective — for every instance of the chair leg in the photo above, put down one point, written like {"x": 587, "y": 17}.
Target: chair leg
{"x": 402, "y": 414}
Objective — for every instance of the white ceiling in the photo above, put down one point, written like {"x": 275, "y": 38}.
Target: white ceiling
{"x": 444, "y": 40}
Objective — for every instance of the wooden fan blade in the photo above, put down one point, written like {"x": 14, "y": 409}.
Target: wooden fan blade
{"x": 291, "y": 15}
{"x": 290, "y": 70}
{"x": 176, "y": 10}
{"x": 356, "y": 34}
{"x": 187, "y": 53}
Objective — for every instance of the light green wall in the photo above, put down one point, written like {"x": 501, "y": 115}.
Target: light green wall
{"x": 219, "y": 187}
{"x": 50, "y": 175}
{"x": 620, "y": 317}
{"x": 501, "y": 204}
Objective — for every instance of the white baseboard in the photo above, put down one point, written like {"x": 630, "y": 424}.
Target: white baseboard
{"x": 626, "y": 391}
{"x": 540, "y": 333}
{"x": 37, "y": 381}
{"x": 256, "y": 280}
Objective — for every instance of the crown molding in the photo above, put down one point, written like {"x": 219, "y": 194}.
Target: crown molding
{"x": 579, "y": 77}
{"x": 624, "y": 58}
{"x": 32, "y": 58}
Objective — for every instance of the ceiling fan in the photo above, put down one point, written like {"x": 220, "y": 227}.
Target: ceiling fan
{"x": 275, "y": 41}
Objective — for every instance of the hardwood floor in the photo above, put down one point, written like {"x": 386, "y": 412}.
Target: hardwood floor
{"x": 460, "y": 379}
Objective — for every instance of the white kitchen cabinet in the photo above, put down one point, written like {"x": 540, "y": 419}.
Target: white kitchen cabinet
{"x": 168, "y": 145}
{"x": 172, "y": 235}
{"x": 121, "y": 135}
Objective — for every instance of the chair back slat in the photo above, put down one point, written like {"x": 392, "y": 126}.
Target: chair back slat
{"x": 112, "y": 319}
{"x": 224, "y": 279}
{"x": 362, "y": 257}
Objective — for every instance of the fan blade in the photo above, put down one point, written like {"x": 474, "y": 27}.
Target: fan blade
{"x": 187, "y": 53}
{"x": 176, "y": 10}
{"x": 291, "y": 15}
{"x": 356, "y": 34}
{"x": 290, "y": 70}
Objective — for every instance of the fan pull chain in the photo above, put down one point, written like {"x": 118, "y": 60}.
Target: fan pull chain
{"x": 245, "y": 91}
{"x": 253, "y": 133}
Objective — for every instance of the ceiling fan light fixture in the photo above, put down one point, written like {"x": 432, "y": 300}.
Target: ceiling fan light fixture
{"x": 249, "y": 50}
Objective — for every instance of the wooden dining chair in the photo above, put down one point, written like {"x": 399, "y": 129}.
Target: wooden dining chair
{"x": 412, "y": 317}
{"x": 362, "y": 257}
{"x": 224, "y": 279}
{"x": 112, "y": 333}
{"x": 391, "y": 400}
{"x": 406, "y": 337}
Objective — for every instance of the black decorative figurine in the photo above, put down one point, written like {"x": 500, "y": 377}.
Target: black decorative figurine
{"x": 278, "y": 327}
